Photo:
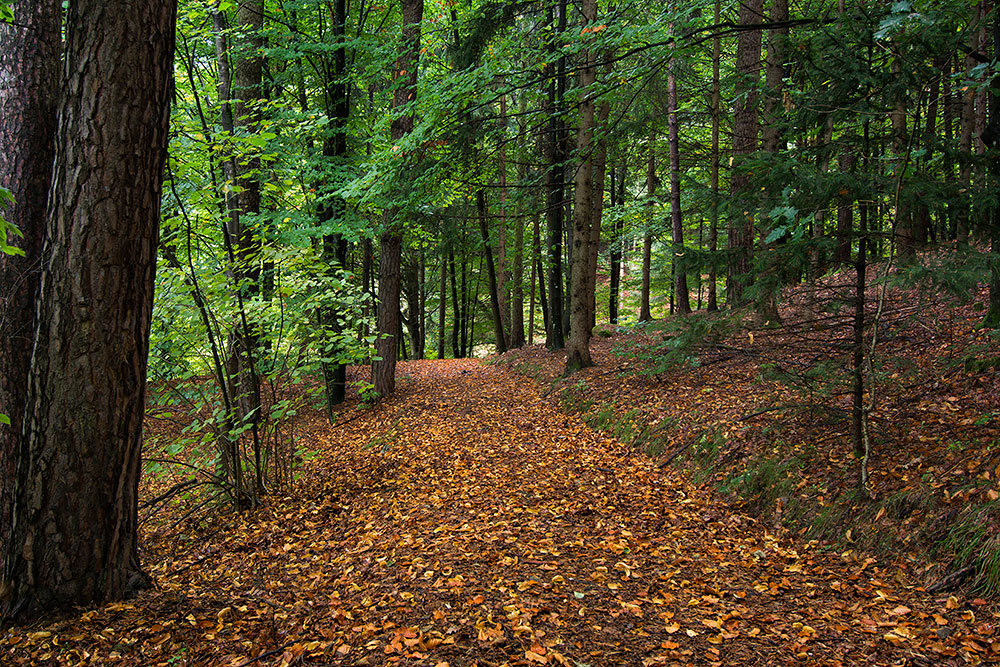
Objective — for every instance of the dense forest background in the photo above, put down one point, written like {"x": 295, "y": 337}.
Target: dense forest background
{"x": 353, "y": 182}
{"x": 356, "y": 183}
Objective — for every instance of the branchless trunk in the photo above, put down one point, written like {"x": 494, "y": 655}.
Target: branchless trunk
{"x": 333, "y": 209}
{"x": 384, "y": 369}
{"x": 713, "y": 212}
{"x": 517, "y": 287}
{"x": 74, "y": 531}
{"x": 600, "y": 164}
{"x": 554, "y": 190}
{"x": 903, "y": 232}
{"x": 578, "y": 349}
{"x": 502, "y": 258}
{"x": 535, "y": 261}
{"x": 616, "y": 249}
{"x": 968, "y": 125}
{"x": 991, "y": 137}
{"x": 773, "y": 142}
{"x": 456, "y": 348}
{"x": 741, "y": 227}
{"x": 647, "y": 240}
{"x": 29, "y": 68}
{"x": 442, "y": 303}
{"x": 491, "y": 268}
{"x": 676, "y": 218}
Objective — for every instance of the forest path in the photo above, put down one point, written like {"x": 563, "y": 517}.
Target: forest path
{"x": 481, "y": 525}
{"x": 466, "y": 521}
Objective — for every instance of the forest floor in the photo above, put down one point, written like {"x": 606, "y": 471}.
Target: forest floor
{"x": 468, "y": 520}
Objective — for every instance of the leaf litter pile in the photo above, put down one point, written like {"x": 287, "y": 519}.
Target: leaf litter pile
{"x": 466, "y": 521}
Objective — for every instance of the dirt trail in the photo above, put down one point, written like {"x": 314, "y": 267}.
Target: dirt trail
{"x": 466, "y": 521}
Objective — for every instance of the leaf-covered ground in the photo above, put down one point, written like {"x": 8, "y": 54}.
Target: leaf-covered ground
{"x": 467, "y": 521}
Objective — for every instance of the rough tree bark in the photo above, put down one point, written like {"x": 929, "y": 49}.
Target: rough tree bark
{"x": 29, "y": 70}
{"x": 74, "y": 531}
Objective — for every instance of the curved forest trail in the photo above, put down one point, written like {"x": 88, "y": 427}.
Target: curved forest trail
{"x": 466, "y": 521}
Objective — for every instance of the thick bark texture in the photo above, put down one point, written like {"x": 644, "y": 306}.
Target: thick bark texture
{"x": 384, "y": 369}
{"x": 29, "y": 70}
{"x": 74, "y": 532}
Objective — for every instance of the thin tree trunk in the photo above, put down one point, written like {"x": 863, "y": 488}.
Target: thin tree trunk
{"x": 535, "y": 262}
{"x": 338, "y": 101}
{"x": 713, "y": 222}
{"x": 647, "y": 240}
{"x": 554, "y": 189}
{"x": 991, "y": 138}
{"x": 773, "y": 142}
{"x": 411, "y": 294}
{"x": 968, "y": 125}
{"x": 517, "y": 291}
{"x": 615, "y": 248}
{"x": 384, "y": 368}
{"x": 442, "y": 304}
{"x": 681, "y": 297}
{"x": 904, "y": 235}
{"x": 857, "y": 371}
{"x": 745, "y": 127}
{"x": 502, "y": 261}
{"x": 456, "y": 350}
{"x": 501, "y": 344}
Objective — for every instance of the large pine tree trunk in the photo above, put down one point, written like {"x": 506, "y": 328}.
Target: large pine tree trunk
{"x": 384, "y": 369}
{"x": 73, "y": 539}
{"x": 29, "y": 66}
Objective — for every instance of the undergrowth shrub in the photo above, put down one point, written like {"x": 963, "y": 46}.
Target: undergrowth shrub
{"x": 765, "y": 478}
{"x": 973, "y": 539}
